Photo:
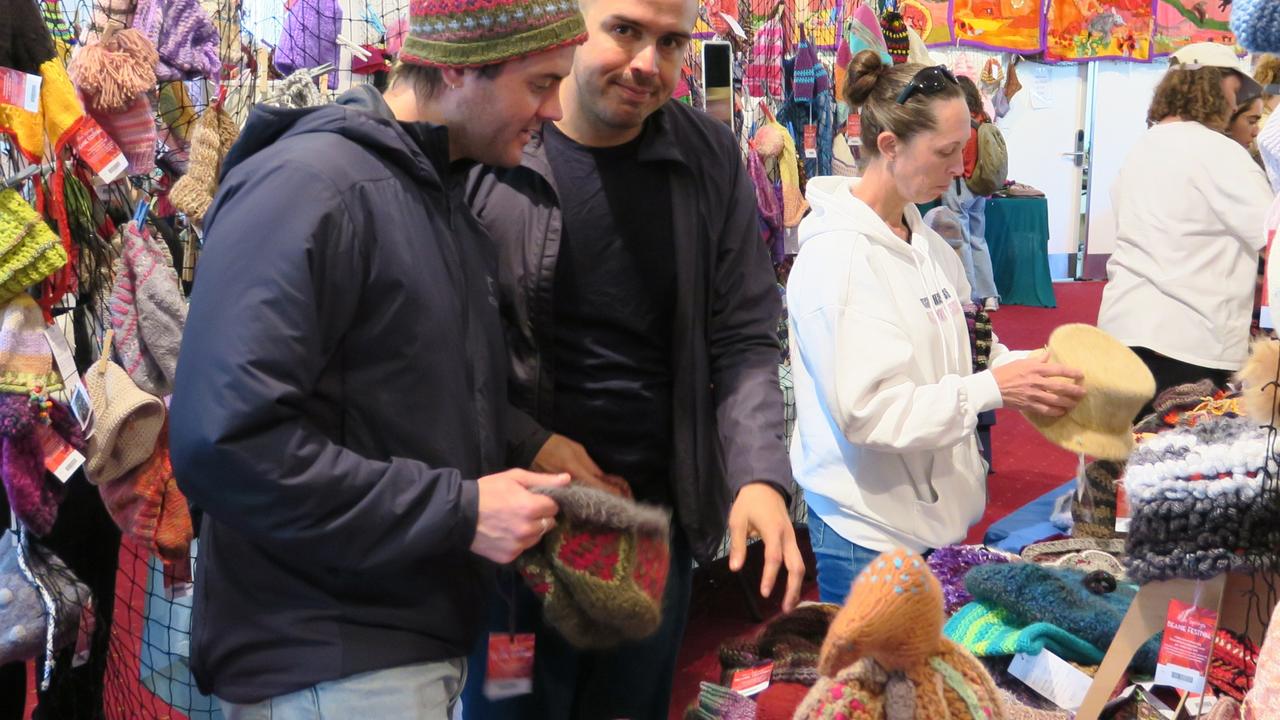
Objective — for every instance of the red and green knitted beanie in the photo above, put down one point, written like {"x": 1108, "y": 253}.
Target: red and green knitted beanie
{"x": 601, "y": 571}
{"x": 475, "y": 33}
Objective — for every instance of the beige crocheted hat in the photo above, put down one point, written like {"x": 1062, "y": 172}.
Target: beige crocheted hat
{"x": 126, "y": 421}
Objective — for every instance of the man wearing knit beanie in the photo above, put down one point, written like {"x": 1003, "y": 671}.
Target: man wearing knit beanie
{"x": 642, "y": 312}
{"x": 339, "y": 412}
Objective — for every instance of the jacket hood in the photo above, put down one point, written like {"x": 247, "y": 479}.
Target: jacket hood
{"x": 833, "y": 208}
{"x": 361, "y": 116}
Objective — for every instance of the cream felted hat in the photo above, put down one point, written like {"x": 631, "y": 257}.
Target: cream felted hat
{"x": 127, "y": 421}
{"x": 1117, "y": 384}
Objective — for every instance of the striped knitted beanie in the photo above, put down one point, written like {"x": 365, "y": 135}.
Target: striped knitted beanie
{"x": 26, "y": 362}
{"x": 601, "y": 571}
{"x": 475, "y": 33}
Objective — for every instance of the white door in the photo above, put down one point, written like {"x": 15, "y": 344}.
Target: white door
{"x": 1122, "y": 94}
{"x": 1042, "y": 130}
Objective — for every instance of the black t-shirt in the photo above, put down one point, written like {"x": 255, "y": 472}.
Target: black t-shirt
{"x": 614, "y": 303}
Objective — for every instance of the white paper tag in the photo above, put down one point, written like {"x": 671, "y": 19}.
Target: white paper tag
{"x": 66, "y": 361}
{"x": 1051, "y": 676}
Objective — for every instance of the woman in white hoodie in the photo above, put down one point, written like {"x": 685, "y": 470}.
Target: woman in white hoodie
{"x": 886, "y": 398}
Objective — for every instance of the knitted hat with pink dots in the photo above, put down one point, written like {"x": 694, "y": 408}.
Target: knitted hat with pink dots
{"x": 885, "y": 656}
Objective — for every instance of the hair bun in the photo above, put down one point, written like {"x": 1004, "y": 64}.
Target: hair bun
{"x": 865, "y": 70}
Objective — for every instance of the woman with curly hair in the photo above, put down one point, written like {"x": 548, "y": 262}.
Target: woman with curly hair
{"x": 1189, "y": 209}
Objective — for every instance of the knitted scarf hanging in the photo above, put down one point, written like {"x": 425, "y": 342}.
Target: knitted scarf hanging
{"x": 771, "y": 229}
{"x": 764, "y": 69}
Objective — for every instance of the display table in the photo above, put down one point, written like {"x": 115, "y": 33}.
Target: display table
{"x": 1018, "y": 238}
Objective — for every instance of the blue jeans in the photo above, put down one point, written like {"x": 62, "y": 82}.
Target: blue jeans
{"x": 839, "y": 561}
{"x": 425, "y": 691}
{"x": 972, "y": 210}
{"x": 632, "y": 680}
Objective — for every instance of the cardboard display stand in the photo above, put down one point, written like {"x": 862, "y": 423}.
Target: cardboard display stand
{"x": 1228, "y": 594}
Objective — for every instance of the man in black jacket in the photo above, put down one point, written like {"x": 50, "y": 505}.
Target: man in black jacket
{"x": 340, "y": 409}
{"x": 641, "y": 310}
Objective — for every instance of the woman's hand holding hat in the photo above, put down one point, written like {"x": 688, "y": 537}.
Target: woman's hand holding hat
{"x": 1039, "y": 386}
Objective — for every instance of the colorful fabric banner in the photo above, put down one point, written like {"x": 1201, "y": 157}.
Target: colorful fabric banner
{"x": 1083, "y": 30}
{"x": 1182, "y": 22}
{"x": 931, "y": 19}
{"x": 1000, "y": 25}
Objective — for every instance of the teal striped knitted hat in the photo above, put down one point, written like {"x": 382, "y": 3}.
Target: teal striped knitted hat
{"x": 475, "y": 33}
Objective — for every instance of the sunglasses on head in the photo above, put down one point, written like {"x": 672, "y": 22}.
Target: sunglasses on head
{"x": 928, "y": 81}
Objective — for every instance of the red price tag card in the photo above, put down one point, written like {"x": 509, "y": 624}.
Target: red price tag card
{"x": 853, "y": 129}
{"x": 510, "y": 668}
{"x": 811, "y": 141}
{"x": 752, "y": 680}
{"x": 1187, "y": 646}
{"x": 20, "y": 89}
{"x": 99, "y": 151}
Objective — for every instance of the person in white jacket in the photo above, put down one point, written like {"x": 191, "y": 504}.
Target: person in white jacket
{"x": 886, "y": 398}
{"x": 1190, "y": 210}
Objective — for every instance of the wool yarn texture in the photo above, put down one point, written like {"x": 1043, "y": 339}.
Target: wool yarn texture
{"x": 764, "y": 67}
{"x": 1032, "y": 593}
{"x": 790, "y": 641}
{"x": 988, "y": 630}
{"x": 23, "y": 616}
{"x": 111, "y": 72}
{"x": 147, "y": 505}
{"x": 29, "y": 249}
{"x": 211, "y": 139}
{"x": 134, "y": 130}
{"x": 885, "y": 656}
{"x": 1263, "y": 701}
{"x": 26, "y": 362}
{"x": 127, "y": 421}
{"x": 601, "y": 571}
{"x": 148, "y": 311}
{"x": 455, "y": 33}
{"x": 33, "y": 494}
{"x": 186, "y": 40}
{"x": 896, "y": 39}
{"x": 951, "y": 563}
{"x": 1261, "y": 396}
{"x": 1195, "y": 502}
{"x": 1256, "y": 24}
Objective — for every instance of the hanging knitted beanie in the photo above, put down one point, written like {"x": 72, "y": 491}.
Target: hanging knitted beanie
{"x": 211, "y": 139}
{"x": 310, "y": 37}
{"x": 186, "y": 40}
{"x": 134, "y": 130}
{"x": 896, "y": 39}
{"x": 445, "y": 33}
{"x": 764, "y": 68}
{"x": 33, "y": 493}
{"x": 29, "y": 251}
{"x": 147, "y": 311}
{"x": 113, "y": 11}
{"x": 24, "y": 617}
{"x": 885, "y": 656}
{"x": 602, "y": 569}
{"x": 26, "y": 363}
{"x": 147, "y": 505}
{"x": 111, "y": 72}
{"x": 25, "y": 43}
{"x": 56, "y": 21}
{"x": 127, "y": 421}
{"x": 1256, "y": 24}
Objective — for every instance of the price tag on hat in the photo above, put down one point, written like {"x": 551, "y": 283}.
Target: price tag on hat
{"x": 99, "y": 151}
{"x": 811, "y": 141}
{"x": 77, "y": 396}
{"x": 1123, "y": 513}
{"x": 1187, "y": 646}
{"x": 752, "y": 680}
{"x": 59, "y": 457}
{"x": 1057, "y": 680}
{"x": 509, "y": 672}
{"x": 20, "y": 89}
{"x": 853, "y": 129}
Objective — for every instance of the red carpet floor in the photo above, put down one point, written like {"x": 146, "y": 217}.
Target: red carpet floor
{"x": 1026, "y": 466}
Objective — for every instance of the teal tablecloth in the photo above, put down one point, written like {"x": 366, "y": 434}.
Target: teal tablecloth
{"x": 1018, "y": 238}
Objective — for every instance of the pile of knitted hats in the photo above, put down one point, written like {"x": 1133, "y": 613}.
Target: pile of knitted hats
{"x": 885, "y": 655}
{"x": 601, "y": 571}
{"x": 1194, "y": 495}
{"x": 791, "y": 642}
{"x": 1025, "y": 608}
{"x": 30, "y": 419}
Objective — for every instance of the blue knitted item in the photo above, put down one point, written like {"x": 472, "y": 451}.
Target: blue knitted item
{"x": 1256, "y": 24}
{"x": 1037, "y": 594}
